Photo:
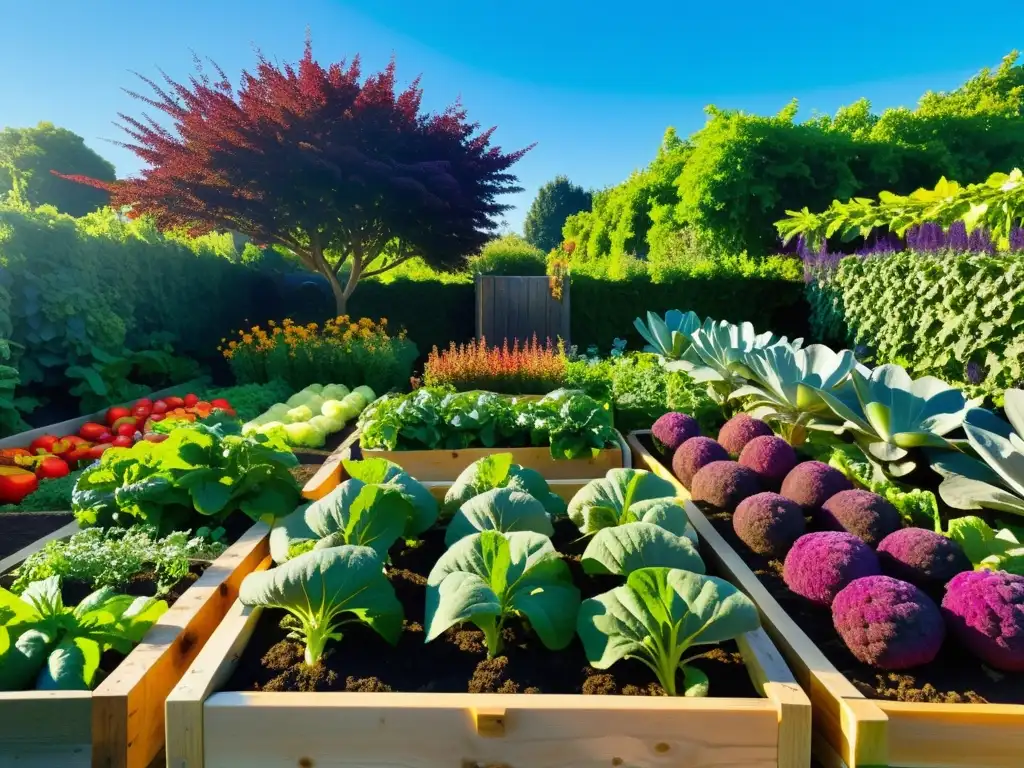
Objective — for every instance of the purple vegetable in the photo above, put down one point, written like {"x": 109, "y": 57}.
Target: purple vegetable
{"x": 922, "y": 557}
{"x": 768, "y": 523}
{"x": 888, "y": 623}
{"x": 694, "y": 454}
{"x": 672, "y": 430}
{"x": 771, "y": 457}
{"x": 985, "y": 611}
{"x": 866, "y": 515}
{"x": 812, "y": 483}
{"x": 821, "y": 564}
{"x": 724, "y": 484}
{"x": 740, "y": 430}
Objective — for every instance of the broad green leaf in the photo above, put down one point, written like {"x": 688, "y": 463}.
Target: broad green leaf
{"x": 355, "y": 513}
{"x": 24, "y": 657}
{"x": 71, "y": 666}
{"x": 606, "y": 501}
{"x": 383, "y": 472}
{"x": 626, "y": 548}
{"x": 501, "y": 509}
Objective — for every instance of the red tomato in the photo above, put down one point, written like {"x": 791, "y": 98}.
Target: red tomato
{"x": 43, "y": 444}
{"x": 122, "y": 421}
{"x": 106, "y": 437}
{"x": 52, "y": 467}
{"x": 91, "y": 431}
{"x": 123, "y": 441}
{"x": 127, "y": 430}
{"x": 117, "y": 412}
{"x": 67, "y": 444}
{"x": 174, "y": 402}
{"x": 144, "y": 401}
{"x": 160, "y": 407}
{"x": 191, "y": 399}
{"x": 141, "y": 412}
{"x": 221, "y": 403}
{"x": 16, "y": 484}
{"x": 155, "y": 437}
{"x": 158, "y": 417}
{"x": 97, "y": 450}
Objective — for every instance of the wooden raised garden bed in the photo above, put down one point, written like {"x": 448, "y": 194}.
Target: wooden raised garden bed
{"x": 444, "y": 465}
{"x": 211, "y": 726}
{"x": 850, "y": 729}
{"x": 120, "y": 723}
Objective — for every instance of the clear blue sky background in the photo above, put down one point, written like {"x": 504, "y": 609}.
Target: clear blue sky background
{"x": 593, "y": 83}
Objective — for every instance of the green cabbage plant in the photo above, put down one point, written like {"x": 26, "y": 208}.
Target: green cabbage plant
{"x": 627, "y": 496}
{"x": 490, "y": 577}
{"x": 988, "y": 548}
{"x": 997, "y": 481}
{"x": 668, "y": 338}
{"x": 657, "y": 616}
{"x": 500, "y": 509}
{"x": 383, "y": 472}
{"x": 888, "y": 414}
{"x": 355, "y": 512}
{"x": 498, "y": 471}
{"x": 785, "y": 384}
{"x": 318, "y": 588}
{"x": 626, "y": 548}
{"x": 54, "y": 647}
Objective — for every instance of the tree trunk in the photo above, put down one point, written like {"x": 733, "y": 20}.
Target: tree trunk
{"x": 340, "y": 299}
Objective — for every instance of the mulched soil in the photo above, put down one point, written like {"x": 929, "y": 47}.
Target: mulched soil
{"x": 19, "y": 529}
{"x": 456, "y": 662}
{"x": 954, "y": 677}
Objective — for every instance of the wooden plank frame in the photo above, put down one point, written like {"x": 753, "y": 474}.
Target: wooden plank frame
{"x": 207, "y": 728}
{"x": 120, "y": 723}
{"x": 851, "y": 730}
{"x": 445, "y": 466}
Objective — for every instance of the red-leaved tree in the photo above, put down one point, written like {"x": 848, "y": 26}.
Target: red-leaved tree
{"x": 345, "y": 172}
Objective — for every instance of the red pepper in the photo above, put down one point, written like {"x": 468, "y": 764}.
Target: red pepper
{"x": 16, "y": 484}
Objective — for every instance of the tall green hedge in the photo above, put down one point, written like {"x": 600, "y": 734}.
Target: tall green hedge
{"x": 957, "y": 316}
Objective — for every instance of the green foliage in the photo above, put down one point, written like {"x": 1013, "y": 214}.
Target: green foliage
{"x": 626, "y": 496}
{"x": 554, "y": 203}
{"x": 250, "y": 400}
{"x": 384, "y": 472}
{"x": 499, "y": 509}
{"x": 509, "y": 255}
{"x": 112, "y": 557}
{"x": 60, "y": 647}
{"x": 27, "y": 155}
{"x": 951, "y": 315}
{"x": 988, "y": 548}
{"x": 619, "y": 550}
{"x": 196, "y": 477}
{"x": 498, "y": 471}
{"x": 318, "y": 587}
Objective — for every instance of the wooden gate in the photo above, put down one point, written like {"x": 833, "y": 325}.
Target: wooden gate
{"x": 519, "y": 307}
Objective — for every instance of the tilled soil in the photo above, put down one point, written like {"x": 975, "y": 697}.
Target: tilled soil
{"x": 456, "y": 662}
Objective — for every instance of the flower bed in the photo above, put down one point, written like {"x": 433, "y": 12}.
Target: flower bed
{"x": 862, "y": 715}
{"x": 361, "y": 700}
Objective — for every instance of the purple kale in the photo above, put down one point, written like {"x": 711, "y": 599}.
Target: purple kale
{"x": 771, "y": 457}
{"x": 812, "y": 483}
{"x": 922, "y": 557}
{"x": 866, "y": 515}
{"x": 768, "y": 523}
{"x": 984, "y": 610}
{"x": 695, "y": 453}
{"x": 672, "y": 430}
{"x": 820, "y": 564}
{"x": 740, "y": 430}
{"x": 724, "y": 484}
{"x": 888, "y": 623}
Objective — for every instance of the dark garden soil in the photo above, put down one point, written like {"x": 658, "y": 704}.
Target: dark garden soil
{"x": 456, "y": 662}
{"x": 19, "y": 529}
{"x": 954, "y": 677}
{"x": 303, "y": 473}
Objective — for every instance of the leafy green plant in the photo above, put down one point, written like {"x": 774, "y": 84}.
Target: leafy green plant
{"x": 196, "y": 477}
{"x": 375, "y": 471}
{"x": 987, "y": 548}
{"x": 500, "y": 509}
{"x": 357, "y": 513}
{"x": 326, "y": 589}
{"x": 657, "y": 616}
{"x": 625, "y": 548}
{"x": 112, "y": 557}
{"x": 625, "y": 496}
{"x": 670, "y": 337}
{"x": 489, "y": 577}
{"x": 60, "y": 647}
{"x": 498, "y": 471}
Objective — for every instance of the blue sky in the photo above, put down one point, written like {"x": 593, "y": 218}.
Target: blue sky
{"x": 593, "y": 83}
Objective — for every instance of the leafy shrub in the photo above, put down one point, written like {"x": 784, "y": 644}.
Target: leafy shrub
{"x": 956, "y": 316}
{"x": 357, "y": 353}
{"x": 509, "y": 255}
{"x": 530, "y": 369}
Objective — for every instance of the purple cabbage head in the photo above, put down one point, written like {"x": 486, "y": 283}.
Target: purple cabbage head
{"x": 812, "y": 483}
{"x": 768, "y": 523}
{"x": 740, "y": 430}
{"x": 724, "y": 484}
{"x": 888, "y": 623}
{"x": 695, "y": 453}
{"x": 771, "y": 457}
{"x": 820, "y": 564}
{"x": 984, "y": 610}
{"x": 866, "y": 515}
{"x": 922, "y": 557}
{"x": 672, "y": 430}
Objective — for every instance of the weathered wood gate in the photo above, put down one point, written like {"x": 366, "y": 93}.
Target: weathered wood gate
{"x": 519, "y": 307}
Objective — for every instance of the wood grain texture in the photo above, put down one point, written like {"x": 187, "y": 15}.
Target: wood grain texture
{"x": 422, "y": 730}
{"x": 128, "y": 707}
{"x": 45, "y": 729}
{"x": 17, "y": 558}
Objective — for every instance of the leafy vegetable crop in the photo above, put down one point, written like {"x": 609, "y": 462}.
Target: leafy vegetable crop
{"x": 626, "y": 496}
{"x": 58, "y": 647}
{"x": 498, "y": 471}
{"x": 500, "y": 509}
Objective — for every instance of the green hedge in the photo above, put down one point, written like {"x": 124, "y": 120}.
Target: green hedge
{"x": 603, "y": 309}
{"x": 957, "y": 316}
